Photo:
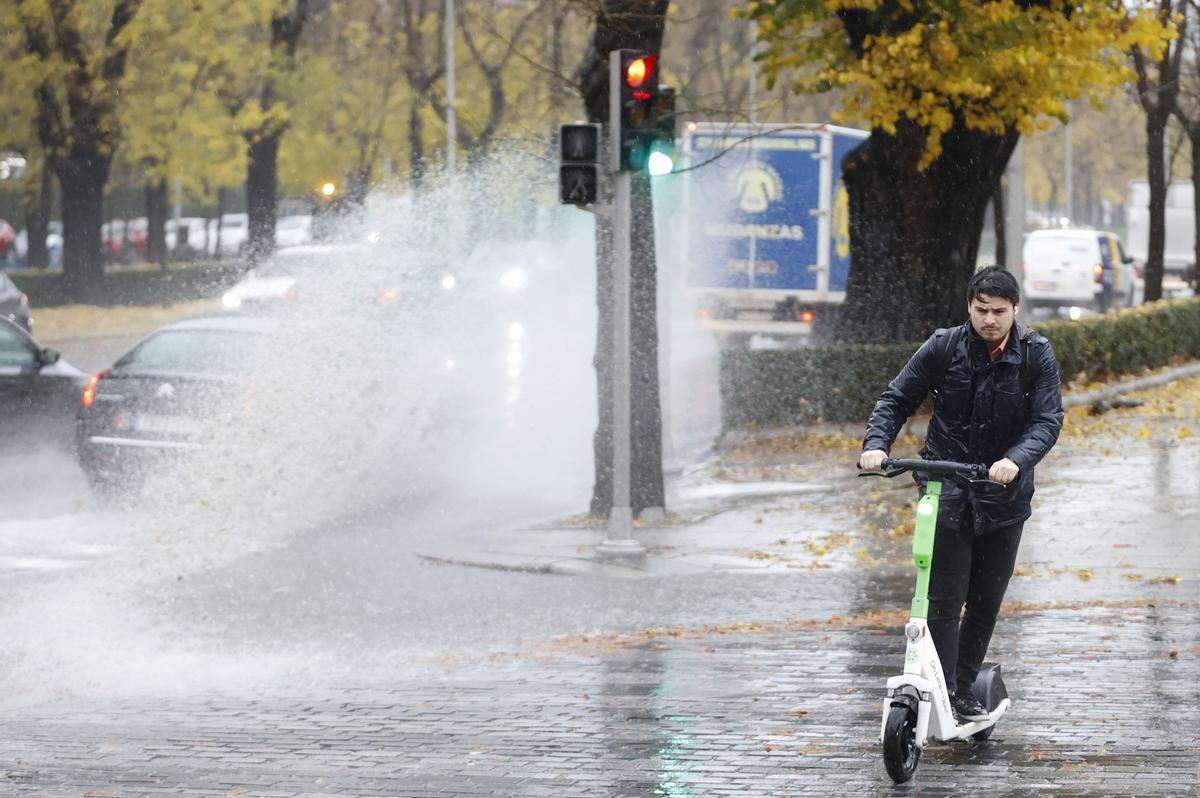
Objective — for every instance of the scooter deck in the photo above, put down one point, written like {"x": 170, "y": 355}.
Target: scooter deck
{"x": 964, "y": 731}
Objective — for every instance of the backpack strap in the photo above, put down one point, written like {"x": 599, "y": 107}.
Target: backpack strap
{"x": 947, "y": 342}
{"x": 1028, "y": 374}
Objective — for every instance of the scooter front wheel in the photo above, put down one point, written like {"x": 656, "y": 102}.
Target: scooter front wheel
{"x": 900, "y": 750}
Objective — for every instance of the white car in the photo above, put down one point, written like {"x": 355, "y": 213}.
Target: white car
{"x": 234, "y": 232}
{"x": 1083, "y": 268}
{"x": 195, "y": 236}
{"x": 293, "y": 231}
{"x": 54, "y": 244}
{"x": 275, "y": 281}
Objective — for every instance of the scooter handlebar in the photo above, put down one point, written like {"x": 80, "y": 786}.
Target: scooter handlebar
{"x": 963, "y": 473}
{"x": 937, "y": 468}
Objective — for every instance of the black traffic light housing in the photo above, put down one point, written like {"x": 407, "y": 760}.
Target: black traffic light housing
{"x": 661, "y": 136}
{"x": 579, "y": 170}
{"x": 633, "y": 87}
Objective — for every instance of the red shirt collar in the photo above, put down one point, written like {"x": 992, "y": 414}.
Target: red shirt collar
{"x": 994, "y": 354}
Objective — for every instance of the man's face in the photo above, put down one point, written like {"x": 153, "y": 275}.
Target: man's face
{"x": 992, "y": 317}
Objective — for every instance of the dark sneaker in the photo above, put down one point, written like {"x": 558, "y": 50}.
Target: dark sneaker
{"x": 967, "y": 707}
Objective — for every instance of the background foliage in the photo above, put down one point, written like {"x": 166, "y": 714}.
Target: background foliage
{"x": 841, "y": 383}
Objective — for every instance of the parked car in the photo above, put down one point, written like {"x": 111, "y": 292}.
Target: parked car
{"x": 39, "y": 391}
{"x": 54, "y": 244}
{"x": 125, "y": 240}
{"x": 1076, "y": 268}
{"x": 8, "y": 239}
{"x": 14, "y": 305}
{"x": 187, "y": 237}
{"x": 293, "y": 231}
{"x": 234, "y": 232}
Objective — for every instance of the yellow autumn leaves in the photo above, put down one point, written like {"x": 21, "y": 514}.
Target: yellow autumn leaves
{"x": 993, "y": 65}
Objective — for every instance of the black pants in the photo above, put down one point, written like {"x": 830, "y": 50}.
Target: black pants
{"x": 971, "y": 570}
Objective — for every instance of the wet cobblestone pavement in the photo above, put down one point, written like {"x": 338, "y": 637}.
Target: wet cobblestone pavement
{"x": 1107, "y": 702}
{"x": 763, "y": 683}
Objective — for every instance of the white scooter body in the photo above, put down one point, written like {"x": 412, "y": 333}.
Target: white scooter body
{"x": 923, "y": 672}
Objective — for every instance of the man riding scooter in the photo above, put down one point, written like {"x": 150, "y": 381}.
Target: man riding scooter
{"x": 998, "y": 401}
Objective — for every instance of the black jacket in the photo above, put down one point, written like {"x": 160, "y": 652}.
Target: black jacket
{"x": 981, "y": 414}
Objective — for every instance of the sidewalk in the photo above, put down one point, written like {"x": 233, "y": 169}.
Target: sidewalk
{"x": 799, "y": 479}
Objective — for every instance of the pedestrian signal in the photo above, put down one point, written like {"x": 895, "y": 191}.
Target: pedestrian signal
{"x": 579, "y": 172}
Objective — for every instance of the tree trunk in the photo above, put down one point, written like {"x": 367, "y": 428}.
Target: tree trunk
{"x": 156, "y": 220}
{"x": 1156, "y": 130}
{"x": 37, "y": 220}
{"x": 1195, "y": 142}
{"x": 914, "y": 235}
{"x": 262, "y": 180}
{"x": 416, "y": 144}
{"x": 220, "y": 225}
{"x": 82, "y": 176}
{"x": 998, "y": 225}
{"x": 633, "y": 24}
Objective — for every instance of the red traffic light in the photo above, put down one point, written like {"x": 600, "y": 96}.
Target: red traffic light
{"x": 638, "y": 73}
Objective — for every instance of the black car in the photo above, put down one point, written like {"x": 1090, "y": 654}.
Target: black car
{"x": 14, "y": 305}
{"x": 38, "y": 390}
{"x": 169, "y": 393}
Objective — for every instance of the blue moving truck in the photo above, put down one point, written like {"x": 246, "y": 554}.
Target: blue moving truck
{"x": 767, "y": 232}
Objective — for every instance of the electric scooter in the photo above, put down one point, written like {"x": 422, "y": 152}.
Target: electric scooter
{"x": 917, "y": 706}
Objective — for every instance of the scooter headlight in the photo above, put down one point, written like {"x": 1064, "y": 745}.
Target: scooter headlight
{"x": 912, "y": 631}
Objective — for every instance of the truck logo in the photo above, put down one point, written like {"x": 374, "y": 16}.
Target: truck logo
{"x": 757, "y": 186}
{"x": 841, "y": 221}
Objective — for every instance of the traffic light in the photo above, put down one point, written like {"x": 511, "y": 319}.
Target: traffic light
{"x": 633, "y": 85}
{"x": 660, "y": 159}
{"x": 579, "y": 172}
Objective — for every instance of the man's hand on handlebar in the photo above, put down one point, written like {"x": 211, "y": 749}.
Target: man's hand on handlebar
{"x": 872, "y": 459}
{"x": 1003, "y": 471}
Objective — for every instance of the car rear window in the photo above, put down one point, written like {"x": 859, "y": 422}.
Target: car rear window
{"x": 208, "y": 352}
{"x": 1060, "y": 249}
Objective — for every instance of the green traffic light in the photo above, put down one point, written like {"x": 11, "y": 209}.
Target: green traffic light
{"x": 660, "y": 163}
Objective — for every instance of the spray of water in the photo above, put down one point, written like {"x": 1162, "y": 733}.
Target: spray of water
{"x": 442, "y": 346}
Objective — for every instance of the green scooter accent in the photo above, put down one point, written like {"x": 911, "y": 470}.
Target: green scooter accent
{"x": 923, "y": 534}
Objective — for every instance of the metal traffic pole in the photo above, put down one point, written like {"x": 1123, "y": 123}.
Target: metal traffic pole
{"x": 620, "y": 540}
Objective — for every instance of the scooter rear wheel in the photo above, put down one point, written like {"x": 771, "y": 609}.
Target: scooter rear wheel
{"x": 900, "y": 750}
{"x": 989, "y": 690}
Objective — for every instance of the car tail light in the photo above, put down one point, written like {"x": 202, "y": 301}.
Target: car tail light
{"x": 807, "y": 317}
{"x": 1099, "y": 273}
{"x": 89, "y": 390}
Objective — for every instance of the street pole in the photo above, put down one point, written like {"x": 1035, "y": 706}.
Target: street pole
{"x": 620, "y": 540}
{"x": 451, "y": 110}
{"x": 1070, "y": 169}
{"x": 1014, "y": 209}
{"x": 752, "y": 89}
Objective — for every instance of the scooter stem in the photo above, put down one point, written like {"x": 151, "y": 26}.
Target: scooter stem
{"x": 923, "y": 534}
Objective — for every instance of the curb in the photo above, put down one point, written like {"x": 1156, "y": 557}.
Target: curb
{"x": 1136, "y": 384}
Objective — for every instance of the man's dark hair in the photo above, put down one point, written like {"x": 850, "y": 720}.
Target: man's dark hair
{"x": 994, "y": 281}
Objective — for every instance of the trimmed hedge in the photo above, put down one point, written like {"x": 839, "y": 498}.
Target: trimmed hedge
{"x": 841, "y": 383}
{"x": 141, "y": 284}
